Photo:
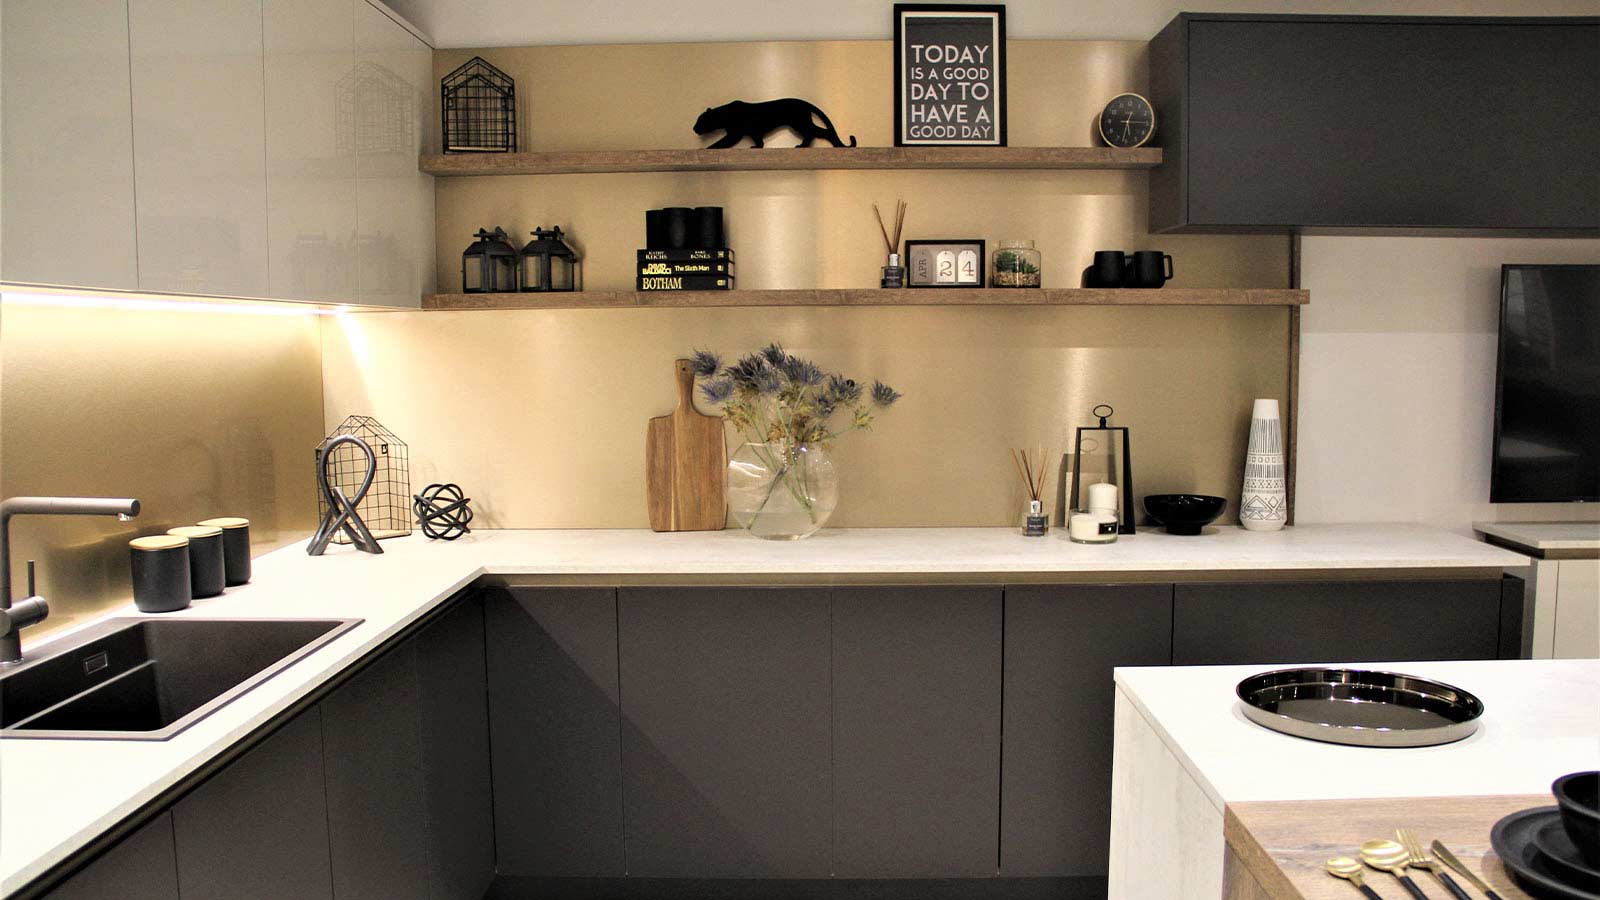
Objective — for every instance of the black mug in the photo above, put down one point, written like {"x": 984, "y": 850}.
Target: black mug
{"x": 655, "y": 229}
{"x": 1107, "y": 269}
{"x": 680, "y": 227}
{"x": 708, "y": 228}
{"x": 1148, "y": 269}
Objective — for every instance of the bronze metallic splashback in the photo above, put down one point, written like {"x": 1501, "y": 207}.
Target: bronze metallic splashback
{"x": 540, "y": 415}
{"x": 198, "y": 409}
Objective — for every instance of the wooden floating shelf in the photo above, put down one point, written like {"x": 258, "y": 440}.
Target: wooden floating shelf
{"x": 786, "y": 159}
{"x": 874, "y": 297}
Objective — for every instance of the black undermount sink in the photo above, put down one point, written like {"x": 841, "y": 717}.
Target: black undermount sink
{"x": 148, "y": 679}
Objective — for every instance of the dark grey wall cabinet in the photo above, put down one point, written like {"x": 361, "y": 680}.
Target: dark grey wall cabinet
{"x": 259, "y": 828}
{"x": 377, "y": 831}
{"x": 916, "y": 731}
{"x": 725, "y": 731}
{"x": 143, "y": 866}
{"x": 557, "y": 749}
{"x": 1278, "y": 123}
{"x": 454, "y": 714}
{"x": 1336, "y": 621}
{"x": 1061, "y": 643}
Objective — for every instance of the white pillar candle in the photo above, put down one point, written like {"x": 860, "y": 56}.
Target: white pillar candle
{"x": 1103, "y": 497}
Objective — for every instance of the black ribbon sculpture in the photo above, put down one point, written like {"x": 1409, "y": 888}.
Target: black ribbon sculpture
{"x": 341, "y": 514}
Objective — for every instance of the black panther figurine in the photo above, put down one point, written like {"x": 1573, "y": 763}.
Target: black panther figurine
{"x": 757, "y": 120}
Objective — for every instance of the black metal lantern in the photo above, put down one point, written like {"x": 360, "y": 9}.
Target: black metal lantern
{"x": 1090, "y": 462}
{"x": 548, "y": 264}
{"x": 489, "y": 265}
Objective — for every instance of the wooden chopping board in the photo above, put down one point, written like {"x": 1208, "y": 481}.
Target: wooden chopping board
{"x": 686, "y": 464}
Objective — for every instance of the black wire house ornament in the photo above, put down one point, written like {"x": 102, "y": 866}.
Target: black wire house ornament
{"x": 489, "y": 264}
{"x": 479, "y": 105}
{"x": 342, "y": 467}
{"x": 1096, "y": 459}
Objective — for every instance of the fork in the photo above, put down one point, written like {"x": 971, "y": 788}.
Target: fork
{"x": 1420, "y": 859}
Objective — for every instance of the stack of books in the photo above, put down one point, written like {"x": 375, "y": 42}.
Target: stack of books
{"x": 685, "y": 270}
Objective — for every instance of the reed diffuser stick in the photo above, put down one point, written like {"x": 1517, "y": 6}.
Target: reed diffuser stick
{"x": 1032, "y": 470}
{"x": 892, "y": 244}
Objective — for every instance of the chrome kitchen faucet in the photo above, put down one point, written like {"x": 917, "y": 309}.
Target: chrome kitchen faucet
{"x": 33, "y": 609}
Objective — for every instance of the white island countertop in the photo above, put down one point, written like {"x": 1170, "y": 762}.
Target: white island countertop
{"x": 57, "y": 795}
{"x": 1541, "y": 720}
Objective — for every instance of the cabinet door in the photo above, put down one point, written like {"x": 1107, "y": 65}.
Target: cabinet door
{"x": 725, "y": 731}
{"x": 556, "y": 739}
{"x": 142, "y": 867}
{"x": 916, "y": 731}
{"x": 198, "y": 136}
{"x": 259, "y": 828}
{"x": 1061, "y": 643}
{"x": 392, "y": 248}
{"x": 66, "y": 145}
{"x": 1335, "y": 621}
{"x": 311, "y": 88}
{"x": 376, "y": 830}
{"x": 454, "y": 712}
{"x": 1577, "y": 631}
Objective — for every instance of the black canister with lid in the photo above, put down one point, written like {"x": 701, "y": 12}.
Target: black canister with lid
{"x": 160, "y": 572}
{"x": 235, "y": 548}
{"x": 207, "y": 574}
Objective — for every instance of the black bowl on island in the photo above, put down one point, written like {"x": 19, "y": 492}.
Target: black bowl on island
{"x": 1184, "y": 513}
{"x": 1578, "y": 795}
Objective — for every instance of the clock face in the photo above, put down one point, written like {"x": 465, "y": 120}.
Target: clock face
{"x": 1128, "y": 121}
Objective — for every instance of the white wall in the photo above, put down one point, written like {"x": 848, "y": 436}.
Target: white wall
{"x": 504, "y": 23}
{"x": 1397, "y": 369}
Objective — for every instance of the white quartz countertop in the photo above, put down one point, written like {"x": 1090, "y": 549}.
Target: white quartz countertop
{"x": 1541, "y": 720}
{"x": 1545, "y": 535}
{"x": 57, "y": 795}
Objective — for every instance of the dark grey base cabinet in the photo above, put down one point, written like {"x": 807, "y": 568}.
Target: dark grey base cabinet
{"x": 380, "y": 790}
{"x": 1335, "y": 621}
{"x": 1061, "y": 643}
{"x": 143, "y": 866}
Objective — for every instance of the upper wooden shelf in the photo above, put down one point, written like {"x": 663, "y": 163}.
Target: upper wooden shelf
{"x": 776, "y": 159}
{"x": 875, "y": 297}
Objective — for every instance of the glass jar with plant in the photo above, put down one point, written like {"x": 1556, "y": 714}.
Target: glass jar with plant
{"x": 1017, "y": 264}
{"x": 781, "y": 482}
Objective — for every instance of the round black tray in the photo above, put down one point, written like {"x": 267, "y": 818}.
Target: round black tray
{"x": 1359, "y": 707}
{"x": 1513, "y": 840}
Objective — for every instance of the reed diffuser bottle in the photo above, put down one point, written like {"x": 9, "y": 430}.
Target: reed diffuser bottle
{"x": 894, "y": 274}
{"x": 1032, "y": 470}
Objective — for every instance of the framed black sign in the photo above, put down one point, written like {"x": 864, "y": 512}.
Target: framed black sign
{"x": 949, "y": 75}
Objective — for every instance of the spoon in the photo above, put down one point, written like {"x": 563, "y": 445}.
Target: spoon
{"x": 1350, "y": 870}
{"x": 1389, "y": 856}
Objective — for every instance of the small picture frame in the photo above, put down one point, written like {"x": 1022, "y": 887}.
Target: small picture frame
{"x": 945, "y": 264}
{"x": 949, "y": 75}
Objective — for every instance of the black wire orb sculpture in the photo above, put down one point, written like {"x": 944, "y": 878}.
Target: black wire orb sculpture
{"x": 442, "y": 511}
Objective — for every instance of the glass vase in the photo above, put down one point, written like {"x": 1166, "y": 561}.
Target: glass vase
{"x": 782, "y": 492}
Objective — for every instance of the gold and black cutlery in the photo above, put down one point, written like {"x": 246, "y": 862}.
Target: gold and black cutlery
{"x": 1388, "y": 856}
{"x": 1461, "y": 869}
{"x": 1350, "y": 870}
{"x": 1418, "y": 858}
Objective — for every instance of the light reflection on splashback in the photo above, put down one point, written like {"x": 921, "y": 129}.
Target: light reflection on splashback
{"x": 197, "y": 408}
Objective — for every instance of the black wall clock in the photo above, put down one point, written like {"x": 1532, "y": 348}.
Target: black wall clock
{"x": 1127, "y": 121}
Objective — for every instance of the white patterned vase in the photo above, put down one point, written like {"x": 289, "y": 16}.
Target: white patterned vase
{"x": 1264, "y": 506}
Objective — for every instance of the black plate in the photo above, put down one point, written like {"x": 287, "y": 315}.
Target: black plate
{"x": 1360, "y": 707}
{"x": 1512, "y": 839}
{"x": 1551, "y": 840}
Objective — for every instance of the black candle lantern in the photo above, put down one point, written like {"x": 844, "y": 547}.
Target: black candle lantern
{"x": 547, "y": 264}
{"x": 1103, "y": 466}
{"x": 489, "y": 266}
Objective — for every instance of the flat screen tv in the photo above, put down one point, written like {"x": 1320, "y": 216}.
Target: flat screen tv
{"x": 1547, "y": 394}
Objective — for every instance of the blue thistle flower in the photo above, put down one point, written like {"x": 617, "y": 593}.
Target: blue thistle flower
{"x": 747, "y": 368}
{"x": 883, "y": 395}
{"x": 706, "y": 363}
{"x": 843, "y": 390}
{"x": 774, "y": 354}
{"x": 801, "y": 371}
{"x": 717, "y": 390}
{"x": 767, "y": 381}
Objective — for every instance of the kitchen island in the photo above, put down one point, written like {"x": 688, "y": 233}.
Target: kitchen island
{"x": 845, "y": 609}
{"x": 1201, "y": 795}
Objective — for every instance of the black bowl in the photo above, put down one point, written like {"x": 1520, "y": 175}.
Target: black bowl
{"x": 1578, "y": 795}
{"x": 1184, "y": 513}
